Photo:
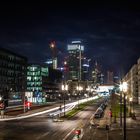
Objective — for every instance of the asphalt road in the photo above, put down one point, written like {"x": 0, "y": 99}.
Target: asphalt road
{"x": 43, "y": 128}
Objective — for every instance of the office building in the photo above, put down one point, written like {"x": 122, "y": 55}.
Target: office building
{"x": 12, "y": 76}
{"x": 110, "y": 77}
{"x": 97, "y": 76}
{"x": 75, "y": 60}
{"x": 133, "y": 80}
{"x": 42, "y": 83}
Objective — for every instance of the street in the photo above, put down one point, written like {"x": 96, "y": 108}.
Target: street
{"x": 41, "y": 127}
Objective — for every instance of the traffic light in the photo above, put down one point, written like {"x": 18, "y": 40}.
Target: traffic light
{"x": 78, "y": 132}
{"x": 28, "y": 104}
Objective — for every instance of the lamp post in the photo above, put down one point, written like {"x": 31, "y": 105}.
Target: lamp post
{"x": 64, "y": 89}
{"x": 80, "y": 62}
{"x": 123, "y": 88}
{"x": 131, "y": 107}
{"x": 120, "y": 105}
{"x": 0, "y": 98}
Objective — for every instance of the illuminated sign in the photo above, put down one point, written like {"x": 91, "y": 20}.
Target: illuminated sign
{"x": 76, "y": 41}
{"x": 75, "y": 47}
{"x": 85, "y": 65}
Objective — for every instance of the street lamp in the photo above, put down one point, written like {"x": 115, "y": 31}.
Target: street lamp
{"x": 64, "y": 89}
{"x": 0, "y": 98}
{"x": 123, "y": 88}
{"x": 120, "y": 105}
{"x": 131, "y": 107}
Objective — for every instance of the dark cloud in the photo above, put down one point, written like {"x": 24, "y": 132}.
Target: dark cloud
{"x": 110, "y": 32}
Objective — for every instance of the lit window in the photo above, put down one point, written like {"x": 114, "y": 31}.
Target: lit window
{"x": 29, "y": 78}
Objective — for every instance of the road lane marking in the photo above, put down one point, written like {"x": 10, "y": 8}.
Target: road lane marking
{"x": 68, "y": 134}
{"x": 45, "y": 134}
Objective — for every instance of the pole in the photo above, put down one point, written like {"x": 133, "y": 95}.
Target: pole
{"x": 124, "y": 127}
{"x": 107, "y": 134}
{"x": 130, "y": 112}
{"x": 24, "y": 105}
{"x": 121, "y": 109}
{"x": 78, "y": 99}
{"x": 80, "y": 62}
{"x": 64, "y": 103}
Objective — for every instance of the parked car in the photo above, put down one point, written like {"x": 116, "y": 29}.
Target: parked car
{"x": 98, "y": 113}
{"x": 103, "y": 106}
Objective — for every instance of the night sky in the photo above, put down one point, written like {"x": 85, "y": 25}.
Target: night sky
{"x": 110, "y": 32}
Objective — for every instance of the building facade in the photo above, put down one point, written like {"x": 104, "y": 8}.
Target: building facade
{"x": 133, "y": 80}
{"x": 85, "y": 69}
{"x": 36, "y": 77}
{"x": 12, "y": 76}
{"x": 110, "y": 77}
{"x": 36, "y": 82}
{"x": 42, "y": 83}
{"x": 75, "y": 60}
{"x": 138, "y": 78}
{"x": 97, "y": 76}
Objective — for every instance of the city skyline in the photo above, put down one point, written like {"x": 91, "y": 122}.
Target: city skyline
{"x": 110, "y": 32}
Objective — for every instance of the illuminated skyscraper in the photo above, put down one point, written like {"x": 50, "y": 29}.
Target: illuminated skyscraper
{"x": 75, "y": 50}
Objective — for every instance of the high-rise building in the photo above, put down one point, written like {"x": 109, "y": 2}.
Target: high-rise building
{"x": 75, "y": 60}
{"x": 52, "y": 63}
{"x": 110, "y": 77}
{"x": 97, "y": 76}
{"x": 12, "y": 76}
{"x": 85, "y": 68}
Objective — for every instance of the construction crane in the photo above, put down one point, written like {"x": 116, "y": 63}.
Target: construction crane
{"x": 53, "y": 48}
{"x": 54, "y": 54}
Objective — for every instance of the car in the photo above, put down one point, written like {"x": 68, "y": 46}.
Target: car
{"x": 98, "y": 113}
{"x": 103, "y": 106}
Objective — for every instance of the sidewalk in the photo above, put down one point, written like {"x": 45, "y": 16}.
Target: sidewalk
{"x": 115, "y": 123}
{"x": 115, "y": 132}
